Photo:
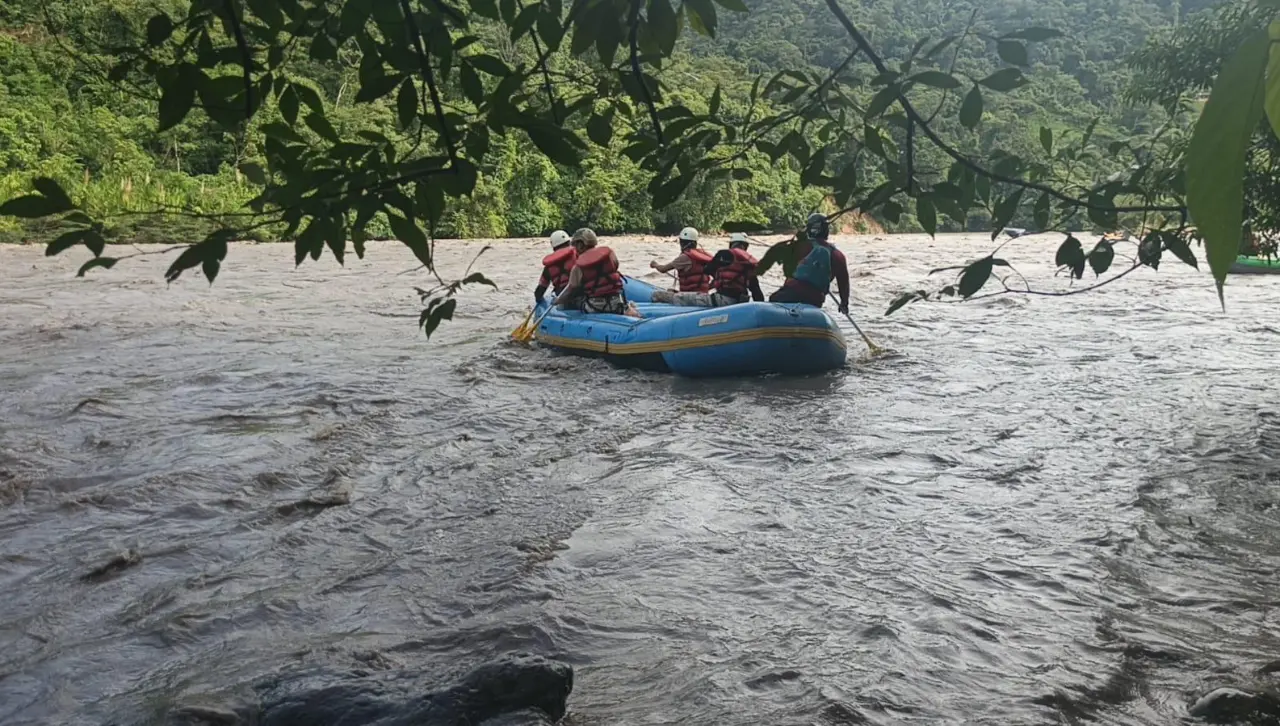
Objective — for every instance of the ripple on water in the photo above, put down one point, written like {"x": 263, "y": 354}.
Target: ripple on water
{"x": 1041, "y": 511}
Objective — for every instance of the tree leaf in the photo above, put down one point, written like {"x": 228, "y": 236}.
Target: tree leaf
{"x": 1012, "y": 52}
{"x": 376, "y": 87}
{"x": 323, "y": 49}
{"x": 177, "y": 97}
{"x": 483, "y": 8}
{"x": 54, "y": 193}
{"x": 289, "y": 106}
{"x": 1219, "y": 146}
{"x": 407, "y": 103}
{"x": 714, "y": 106}
{"x": 1004, "y": 80}
{"x": 472, "y": 87}
{"x": 1033, "y": 35}
{"x": 663, "y": 25}
{"x": 553, "y": 141}
{"x": 549, "y": 28}
{"x": 1149, "y": 250}
{"x": 254, "y": 173}
{"x": 437, "y": 312}
{"x": 489, "y": 64}
{"x": 1273, "y": 78}
{"x": 208, "y": 253}
{"x": 927, "y": 215}
{"x": 1046, "y": 139}
{"x": 478, "y": 278}
{"x": 971, "y": 109}
{"x": 1070, "y": 253}
{"x": 702, "y": 16}
{"x": 892, "y": 212}
{"x": 936, "y": 79}
{"x": 524, "y": 21}
{"x": 1104, "y": 216}
{"x": 900, "y": 301}
{"x": 105, "y": 263}
{"x": 65, "y": 242}
{"x": 600, "y": 128}
{"x": 941, "y": 46}
{"x": 411, "y": 236}
{"x": 975, "y": 275}
{"x": 1101, "y": 256}
{"x": 460, "y": 182}
{"x": 1177, "y": 244}
{"x": 309, "y": 96}
{"x": 1042, "y": 212}
{"x": 318, "y": 123}
{"x": 1004, "y": 212}
{"x": 30, "y": 206}
{"x": 336, "y": 239}
{"x": 669, "y": 190}
{"x": 159, "y": 28}
{"x": 881, "y": 101}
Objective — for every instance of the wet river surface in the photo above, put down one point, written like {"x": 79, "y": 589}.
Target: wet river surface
{"x": 1045, "y": 510}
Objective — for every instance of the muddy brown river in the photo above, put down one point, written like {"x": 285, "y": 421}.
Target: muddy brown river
{"x": 1043, "y": 511}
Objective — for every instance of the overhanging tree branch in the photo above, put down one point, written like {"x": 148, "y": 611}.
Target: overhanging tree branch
{"x": 429, "y": 76}
{"x": 246, "y": 57}
{"x": 914, "y": 116}
{"x": 639, "y": 75}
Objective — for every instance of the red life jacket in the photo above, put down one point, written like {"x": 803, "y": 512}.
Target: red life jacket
{"x": 733, "y": 279}
{"x": 557, "y": 266}
{"x": 693, "y": 279}
{"x": 600, "y": 276}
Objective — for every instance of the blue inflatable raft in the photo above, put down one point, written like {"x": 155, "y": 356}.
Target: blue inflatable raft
{"x": 747, "y": 339}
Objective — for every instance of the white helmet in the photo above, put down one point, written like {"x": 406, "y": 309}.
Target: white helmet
{"x": 559, "y": 238}
{"x": 688, "y": 237}
{"x": 737, "y": 237}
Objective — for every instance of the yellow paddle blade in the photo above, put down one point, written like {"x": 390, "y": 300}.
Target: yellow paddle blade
{"x": 522, "y": 333}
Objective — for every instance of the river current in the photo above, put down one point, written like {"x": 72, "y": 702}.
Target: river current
{"x": 1043, "y": 510}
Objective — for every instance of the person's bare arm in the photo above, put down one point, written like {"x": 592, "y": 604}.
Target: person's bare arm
{"x": 680, "y": 264}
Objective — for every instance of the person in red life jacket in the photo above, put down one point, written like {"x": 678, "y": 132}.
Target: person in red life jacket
{"x": 821, "y": 261}
{"x": 733, "y": 278}
{"x": 595, "y": 285}
{"x": 556, "y": 266}
{"x": 689, "y": 265}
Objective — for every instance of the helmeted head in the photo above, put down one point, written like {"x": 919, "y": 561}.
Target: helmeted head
{"x": 688, "y": 238}
{"x": 559, "y": 238}
{"x": 584, "y": 239}
{"x": 817, "y": 228}
{"x": 738, "y": 241}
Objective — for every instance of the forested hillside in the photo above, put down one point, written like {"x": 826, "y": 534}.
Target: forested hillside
{"x": 61, "y": 117}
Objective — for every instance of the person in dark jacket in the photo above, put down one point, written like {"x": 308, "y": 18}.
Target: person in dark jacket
{"x": 810, "y": 282}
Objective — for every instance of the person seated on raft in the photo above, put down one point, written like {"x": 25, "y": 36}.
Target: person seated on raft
{"x": 556, "y": 266}
{"x": 811, "y": 279}
{"x": 689, "y": 265}
{"x": 733, "y": 275}
{"x": 594, "y": 286}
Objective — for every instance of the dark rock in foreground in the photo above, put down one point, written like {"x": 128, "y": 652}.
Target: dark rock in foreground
{"x": 1232, "y": 706}
{"x": 521, "y": 691}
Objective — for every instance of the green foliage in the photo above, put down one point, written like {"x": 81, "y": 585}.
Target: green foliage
{"x": 331, "y": 123}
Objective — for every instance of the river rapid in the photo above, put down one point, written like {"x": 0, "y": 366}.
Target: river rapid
{"x": 1044, "y": 510}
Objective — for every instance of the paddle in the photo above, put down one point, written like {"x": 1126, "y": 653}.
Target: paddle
{"x": 527, "y": 334}
{"x": 875, "y": 349}
{"x": 519, "y": 332}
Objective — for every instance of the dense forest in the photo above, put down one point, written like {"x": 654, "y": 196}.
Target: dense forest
{"x": 64, "y": 115}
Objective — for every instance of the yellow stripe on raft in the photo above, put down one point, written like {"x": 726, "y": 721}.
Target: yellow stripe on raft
{"x": 701, "y": 341}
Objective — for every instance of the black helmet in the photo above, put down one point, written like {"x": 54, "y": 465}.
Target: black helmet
{"x": 817, "y": 227}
